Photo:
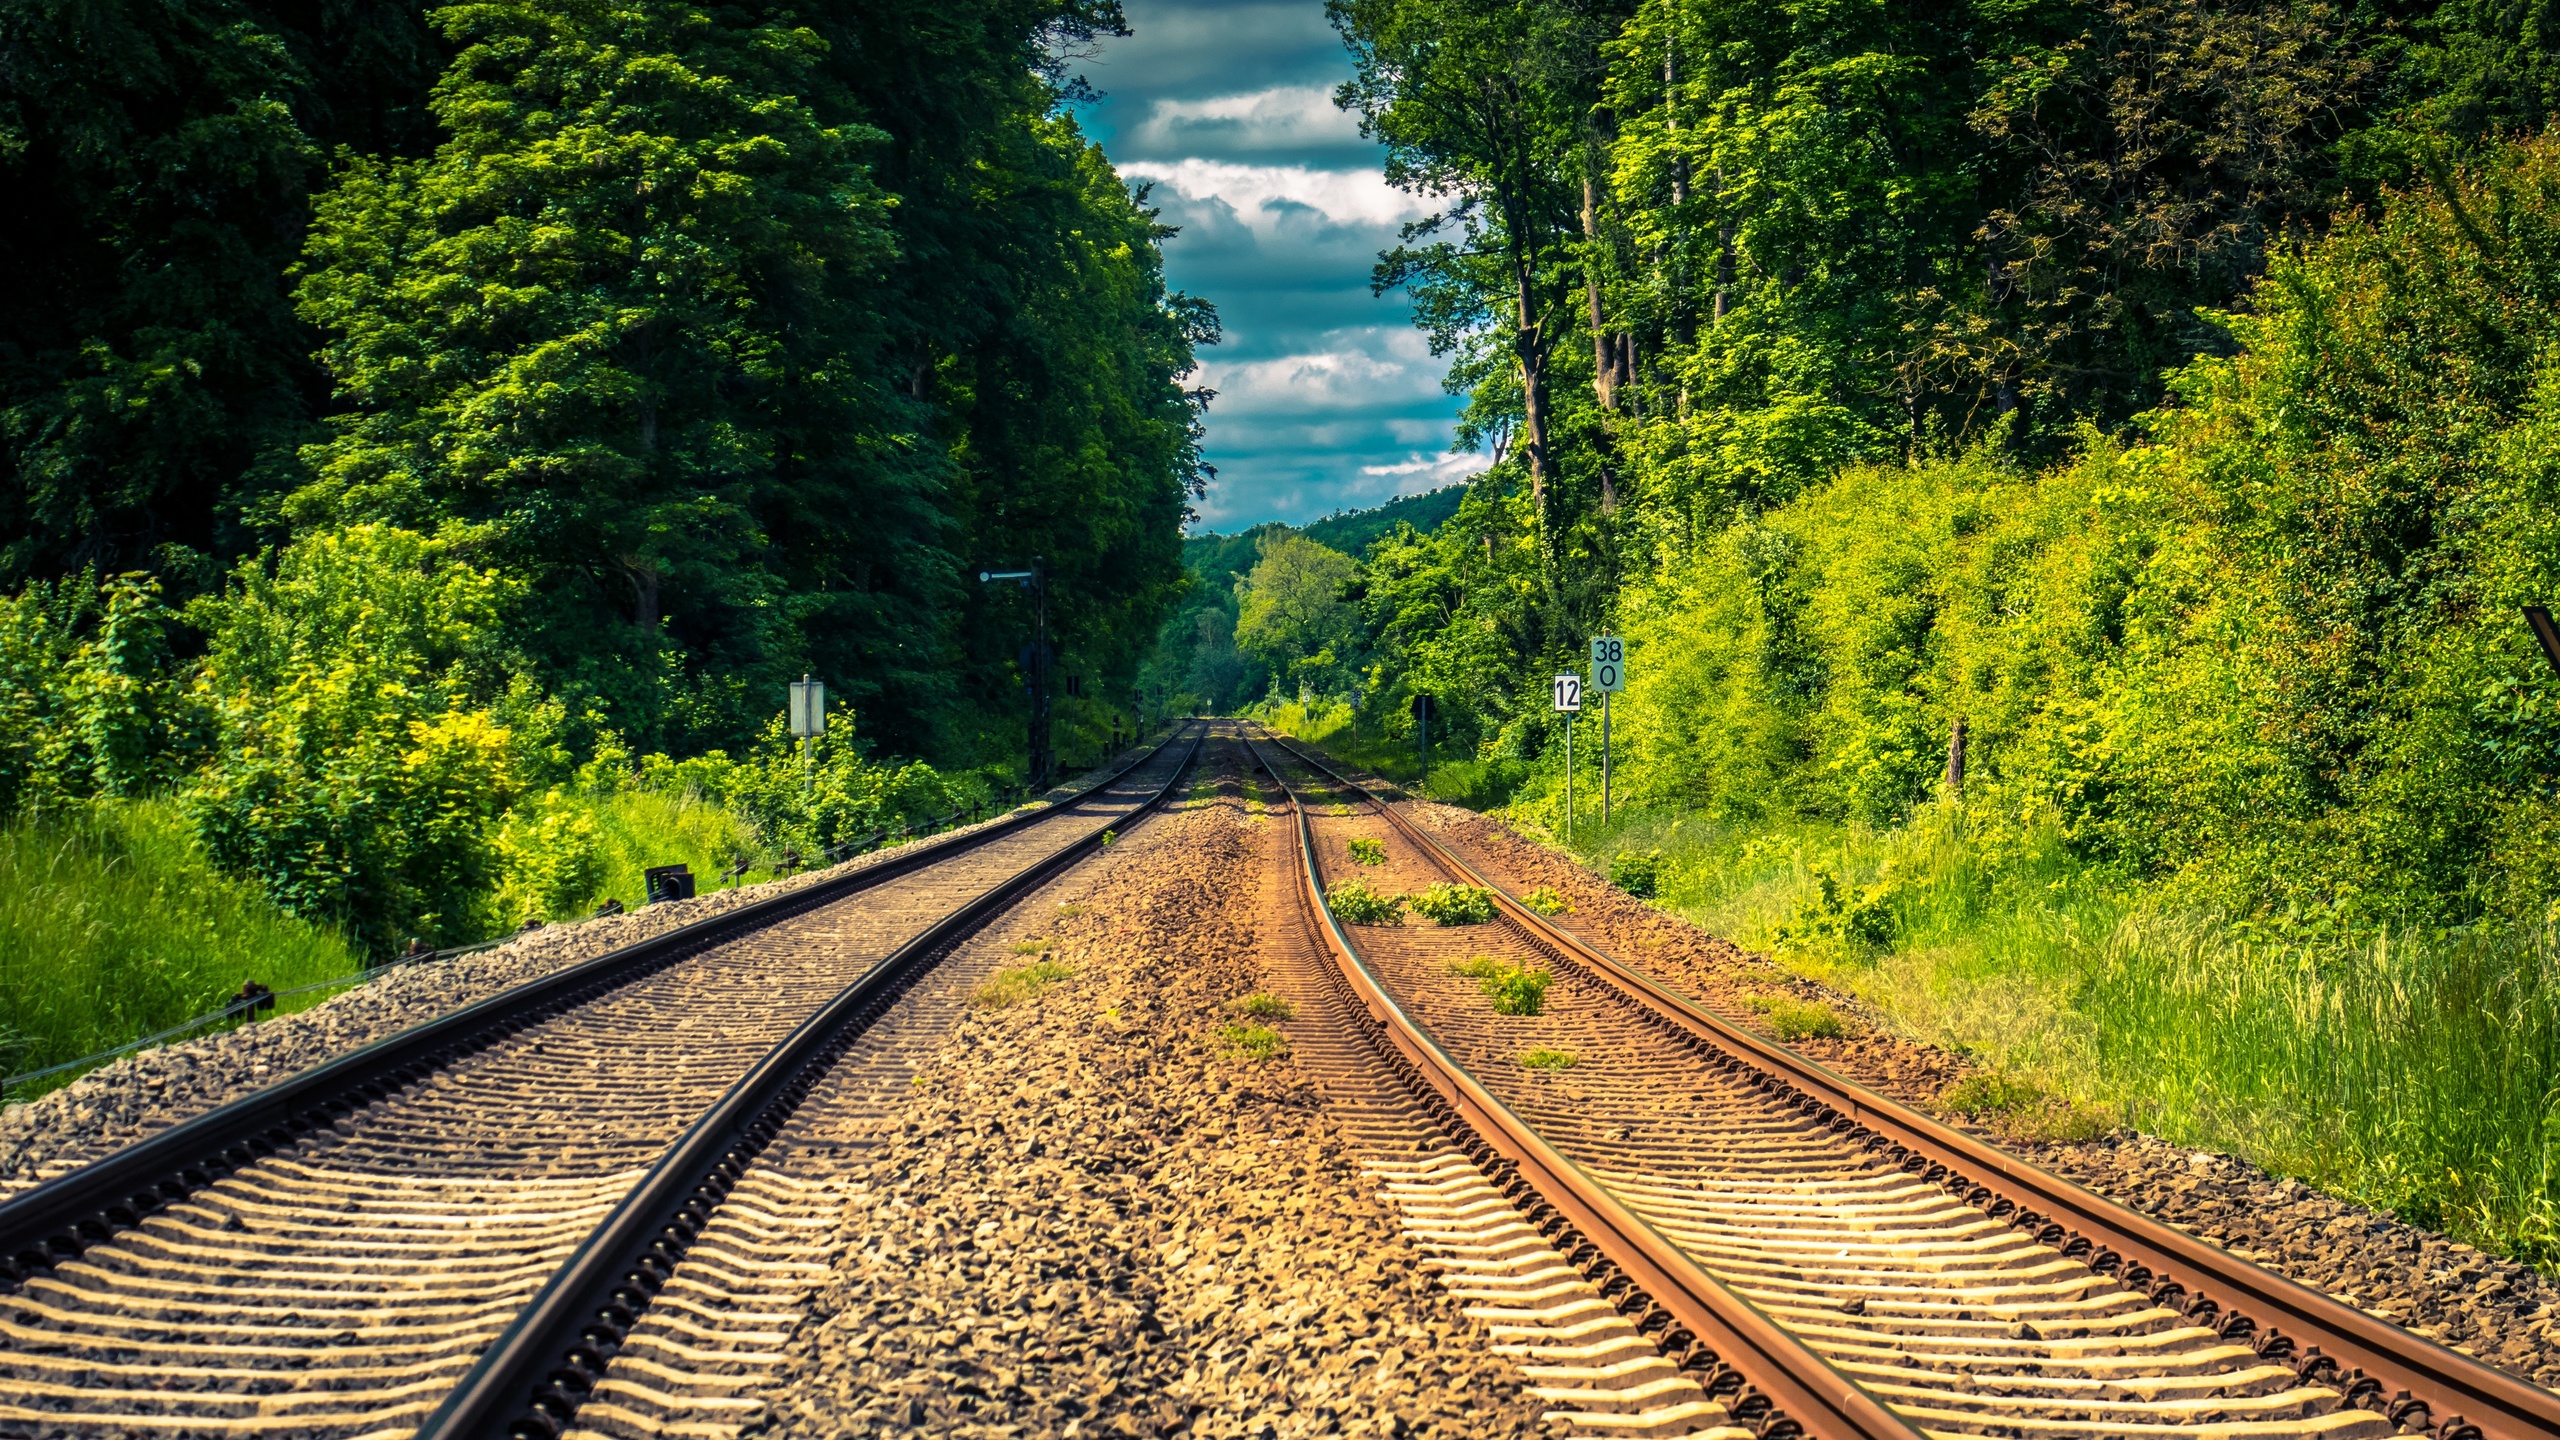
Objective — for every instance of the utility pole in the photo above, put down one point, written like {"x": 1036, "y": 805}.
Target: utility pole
{"x": 1035, "y": 580}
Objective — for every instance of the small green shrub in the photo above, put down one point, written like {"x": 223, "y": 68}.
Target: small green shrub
{"x": 1354, "y": 903}
{"x": 1110, "y": 838}
{"x": 1791, "y": 1019}
{"x": 1030, "y": 947}
{"x": 1638, "y": 875}
{"x": 1546, "y": 901}
{"x": 1541, "y": 1058}
{"x": 1514, "y": 989}
{"x": 1263, "y": 1006}
{"x": 1446, "y": 904}
{"x": 1368, "y": 852}
{"x": 1258, "y": 1042}
{"x": 1012, "y": 987}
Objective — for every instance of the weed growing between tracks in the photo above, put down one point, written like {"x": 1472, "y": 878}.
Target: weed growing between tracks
{"x": 1264, "y": 1006}
{"x": 1353, "y": 902}
{"x": 2411, "y": 1070}
{"x": 1514, "y": 989}
{"x": 1540, "y": 1057}
{"x": 1446, "y": 904}
{"x": 1365, "y": 851}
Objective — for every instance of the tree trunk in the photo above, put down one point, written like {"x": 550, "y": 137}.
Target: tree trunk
{"x": 1604, "y": 374}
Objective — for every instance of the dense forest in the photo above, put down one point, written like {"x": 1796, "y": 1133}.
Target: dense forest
{"x": 432, "y": 435}
{"x": 2160, "y": 396}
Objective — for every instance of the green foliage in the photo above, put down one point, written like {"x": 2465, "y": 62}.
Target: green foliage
{"x": 1263, "y": 1006}
{"x": 1639, "y": 874}
{"x": 1354, "y": 903}
{"x": 1514, "y": 989}
{"x": 1791, "y": 1019}
{"x": 88, "y": 704}
{"x": 1292, "y": 617}
{"x": 1546, "y": 901}
{"x": 1447, "y": 904}
{"x": 1539, "y": 1057}
{"x": 356, "y": 683}
{"x": 1986, "y": 1093}
{"x": 1365, "y": 851}
{"x": 114, "y": 923}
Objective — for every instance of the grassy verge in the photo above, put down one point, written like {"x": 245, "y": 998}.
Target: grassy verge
{"x": 113, "y": 925}
{"x": 639, "y": 829}
{"x": 2416, "y": 1070}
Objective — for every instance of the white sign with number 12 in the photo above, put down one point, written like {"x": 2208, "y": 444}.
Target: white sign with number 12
{"x": 1569, "y": 693}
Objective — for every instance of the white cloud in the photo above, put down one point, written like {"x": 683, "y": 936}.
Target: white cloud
{"x": 1357, "y": 371}
{"x": 1285, "y": 117}
{"x": 1417, "y": 473}
{"x": 1265, "y": 197}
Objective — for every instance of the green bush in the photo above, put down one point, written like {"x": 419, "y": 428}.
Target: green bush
{"x": 1447, "y": 904}
{"x": 1541, "y": 1058}
{"x": 1022, "y": 982}
{"x": 1639, "y": 875}
{"x": 361, "y": 760}
{"x": 1354, "y": 903}
{"x": 1368, "y": 852}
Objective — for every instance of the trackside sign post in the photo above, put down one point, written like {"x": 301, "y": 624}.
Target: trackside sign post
{"x": 1608, "y": 677}
{"x": 808, "y": 721}
{"x": 1568, "y": 704}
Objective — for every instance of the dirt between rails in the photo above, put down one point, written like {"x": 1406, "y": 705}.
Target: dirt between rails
{"x": 2493, "y": 1309}
{"x": 135, "y": 1097}
{"x": 1099, "y": 1218}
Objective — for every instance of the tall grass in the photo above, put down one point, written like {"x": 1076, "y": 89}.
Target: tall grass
{"x": 2416, "y": 1070}
{"x": 113, "y": 925}
{"x": 638, "y": 829}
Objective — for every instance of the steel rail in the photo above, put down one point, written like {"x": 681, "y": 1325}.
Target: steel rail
{"x": 530, "y": 1382}
{"x": 57, "y": 1221}
{"x": 2410, "y": 1379}
{"x": 1799, "y": 1384}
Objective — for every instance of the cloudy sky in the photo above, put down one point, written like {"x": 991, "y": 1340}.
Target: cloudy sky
{"x": 1327, "y": 397}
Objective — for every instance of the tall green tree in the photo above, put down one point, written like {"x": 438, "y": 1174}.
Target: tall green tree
{"x": 619, "y": 319}
{"x": 158, "y": 159}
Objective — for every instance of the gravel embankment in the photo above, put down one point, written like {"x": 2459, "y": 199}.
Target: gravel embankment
{"x": 150, "y": 1090}
{"x": 2497, "y": 1310}
{"x": 1100, "y": 1219}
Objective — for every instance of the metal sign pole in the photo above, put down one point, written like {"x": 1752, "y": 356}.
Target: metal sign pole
{"x": 1604, "y": 760}
{"x": 1568, "y": 779}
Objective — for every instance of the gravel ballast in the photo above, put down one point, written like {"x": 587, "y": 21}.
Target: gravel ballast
{"x": 1100, "y": 1217}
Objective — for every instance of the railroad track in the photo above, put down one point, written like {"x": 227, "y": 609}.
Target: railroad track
{"x": 607, "y": 1186}
{"x": 1780, "y": 1251}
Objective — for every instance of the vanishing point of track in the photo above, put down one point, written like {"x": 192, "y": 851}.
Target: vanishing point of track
{"x": 1787, "y": 1253}
{"x": 580, "y": 1204}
